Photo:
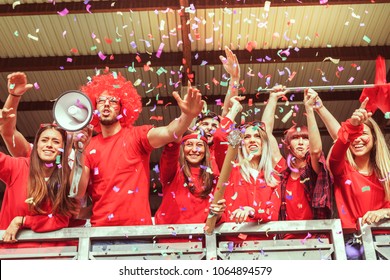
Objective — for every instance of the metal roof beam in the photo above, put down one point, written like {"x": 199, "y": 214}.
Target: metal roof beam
{"x": 126, "y": 6}
{"x": 175, "y": 58}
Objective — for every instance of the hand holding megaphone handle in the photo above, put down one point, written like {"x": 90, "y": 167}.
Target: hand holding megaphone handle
{"x": 80, "y": 145}
{"x": 77, "y": 166}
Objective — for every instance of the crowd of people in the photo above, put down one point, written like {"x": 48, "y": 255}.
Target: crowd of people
{"x": 267, "y": 182}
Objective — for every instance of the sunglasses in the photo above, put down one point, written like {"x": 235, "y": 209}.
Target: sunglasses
{"x": 111, "y": 99}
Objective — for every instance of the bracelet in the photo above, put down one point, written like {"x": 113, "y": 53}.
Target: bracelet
{"x": 15, "y": 95}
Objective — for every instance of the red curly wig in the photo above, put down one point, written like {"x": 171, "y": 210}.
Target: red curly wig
{"x": 118, "y": 86}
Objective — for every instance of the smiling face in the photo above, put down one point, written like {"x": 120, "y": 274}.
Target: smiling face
{"x": 363, "y": 145}
{"x": 252, "y": 142}
{"x": 109, "y": 108}
{"x": 209, "y": 126}
{"x": 49, "y": 144}
{"x": 194, "y": 151}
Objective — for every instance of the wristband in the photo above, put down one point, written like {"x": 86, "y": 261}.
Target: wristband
{"x": 15, "y": 95}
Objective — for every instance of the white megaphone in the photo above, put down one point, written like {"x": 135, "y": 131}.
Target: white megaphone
{"x": 72, "y": 110}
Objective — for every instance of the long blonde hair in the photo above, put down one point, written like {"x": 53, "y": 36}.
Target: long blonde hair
{"x": 56, "y": 189}
{"x": 265, "y": 164}
{"x": 379, "y": 156}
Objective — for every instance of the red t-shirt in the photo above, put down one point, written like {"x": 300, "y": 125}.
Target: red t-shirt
{"x": 297, "y": 206}
{"x": 179, "y": 205}
{"x": 119, "y": 177}
{"x": 14, "y": 173}
{"x": 355, "y": 193}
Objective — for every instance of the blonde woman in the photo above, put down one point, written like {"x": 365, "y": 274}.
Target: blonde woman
{"x": 360, "y": 164}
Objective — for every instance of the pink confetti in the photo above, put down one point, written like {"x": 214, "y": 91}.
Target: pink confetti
{"x": 102, "y": 56}
{"x": 64, "y": 12}
{"x": 289, "y": 159}
{"x": 160, "y": 49}
{"x": 88, "y": 7}
{"x": 36, "y": 85}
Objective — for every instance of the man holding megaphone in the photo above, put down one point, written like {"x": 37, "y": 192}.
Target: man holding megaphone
{"x": 116, "y": 172}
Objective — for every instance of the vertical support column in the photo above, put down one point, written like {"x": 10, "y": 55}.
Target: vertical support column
{"x": 211, "y": 246}
{"x": 338, "y": 241}
{"x": 84, "y": 248}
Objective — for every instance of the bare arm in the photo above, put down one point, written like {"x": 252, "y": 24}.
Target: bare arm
{"x": 231, "y": 65}
{"x": 315, "y": 142}
{"x": 332, "y": 125}
{"x": 16, "y": 144}
{"x": 268, "y": 118}
{"x": 190, "y": 107}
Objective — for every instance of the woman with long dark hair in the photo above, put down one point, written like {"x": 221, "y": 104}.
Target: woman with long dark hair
{"x": 187, "y": 181}
{"x": 37, "y": 187}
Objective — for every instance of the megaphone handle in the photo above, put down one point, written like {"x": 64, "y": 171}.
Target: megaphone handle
{"x": 78, "y": 170}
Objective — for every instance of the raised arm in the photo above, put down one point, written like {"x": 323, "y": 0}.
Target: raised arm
{"x": 16, "y": 144}
{"x": 190, "y": 107}
{"x": 332, "y": 125}
{"x": 349, "y": 131}
{"x": 315, "y": 143}
{"x": 230, "y": 64}
{"x": 268, "y": 118}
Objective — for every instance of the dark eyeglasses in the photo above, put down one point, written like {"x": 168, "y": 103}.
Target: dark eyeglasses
{"x": 111, "y": 99}
{"x": 255, "y": 124}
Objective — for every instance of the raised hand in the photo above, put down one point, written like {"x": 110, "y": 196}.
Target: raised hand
{"x": 278, "y": 92}
{"x": 192, "y": 103}
{"x": 360, "y": 115}
{"x": 230, "y": 63}
{"x": 17, "y": 84}
{"x": 310, "y": 98}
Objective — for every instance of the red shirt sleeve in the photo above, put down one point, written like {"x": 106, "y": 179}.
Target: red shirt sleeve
{"x": 169, "y": 162}
{"x": 347, "y": 134}
{"x": 45, "y": 223}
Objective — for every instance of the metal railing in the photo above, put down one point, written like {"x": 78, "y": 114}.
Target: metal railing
{"x": 188, "y": 242}
{"x": 376, "y": 240}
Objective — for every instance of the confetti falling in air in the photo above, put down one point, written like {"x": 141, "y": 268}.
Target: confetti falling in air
{"x": 64, "y": 12}
{"x": 16, "y": 3}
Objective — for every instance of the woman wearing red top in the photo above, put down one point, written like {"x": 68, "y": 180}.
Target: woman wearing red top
{"x": 253, "y": 190}
{"x": 37, "y": 187}
{"x": 187, "y": 181}
{"x": 360, "y": 164}
{"x": 306, "y": 186}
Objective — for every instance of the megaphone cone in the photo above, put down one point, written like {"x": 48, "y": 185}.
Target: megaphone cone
{"x": 72, "y": 110}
